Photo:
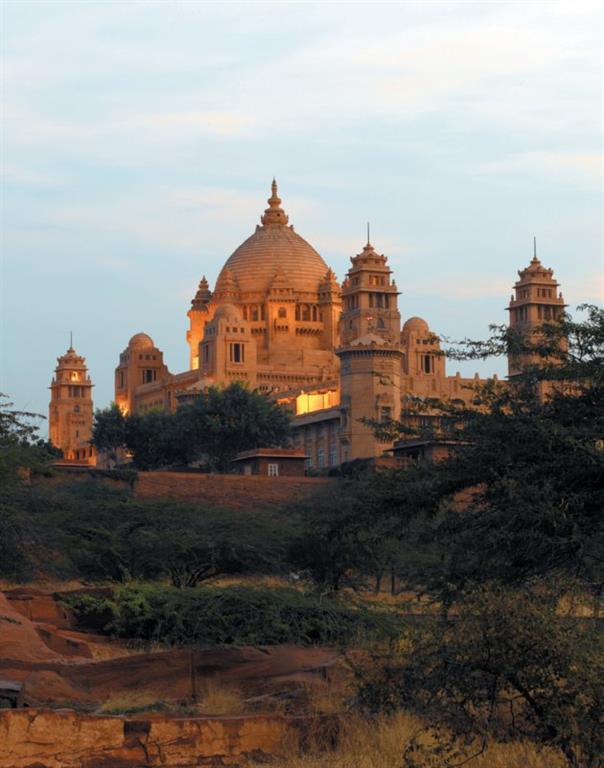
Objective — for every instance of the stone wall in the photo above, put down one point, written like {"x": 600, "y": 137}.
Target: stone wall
{"x": 233, "y": 491}
{"x": 34, "y": 738}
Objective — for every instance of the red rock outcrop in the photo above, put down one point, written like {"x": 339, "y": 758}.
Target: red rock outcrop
{"x": 66, "y": 739}
{"x": 39, "y": 606}
{"x": 18, "y": 637}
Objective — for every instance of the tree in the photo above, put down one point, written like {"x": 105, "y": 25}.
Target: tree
{"x": 509, "y": 666}
{"x": 215, "y": 427}
{"x": 222, "y": 422}
{"x": 523, "y": 494}
{"x": 154, "y": 439}
{"x": 363, "y": 528}
{"x": 109, "y": 429}
{"x": 516, "y": 516}
{"x": 20, "y": 446}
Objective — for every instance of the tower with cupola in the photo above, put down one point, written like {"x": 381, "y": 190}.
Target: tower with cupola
{"x": 199, "y": 314}
{"x": 536, "y": 300}
{"x": 141, "y": 370}
{"x": 369, "y": 299}
{"x": 370, "y": 354}
{"x": 70, "y": 411}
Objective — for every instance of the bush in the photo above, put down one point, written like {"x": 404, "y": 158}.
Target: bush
{"x": 231, "y": 616}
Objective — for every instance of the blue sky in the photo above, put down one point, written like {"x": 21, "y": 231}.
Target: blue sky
{"x": 139, "y": 140}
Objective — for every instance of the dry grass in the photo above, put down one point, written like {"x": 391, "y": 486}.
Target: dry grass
{"x": 220, "y": 699}
{"x": 328, "y": 698}
{"x": 42, "y": 584}
{"x": 380, "y": 743}
{"x": 250, "y": 580}
{"x": 123, "y": 702}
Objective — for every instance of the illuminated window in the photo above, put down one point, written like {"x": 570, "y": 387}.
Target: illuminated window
{"x": 273, "y": 470}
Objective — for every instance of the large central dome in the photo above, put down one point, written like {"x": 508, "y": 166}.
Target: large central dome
{"x": 275, "y": 248}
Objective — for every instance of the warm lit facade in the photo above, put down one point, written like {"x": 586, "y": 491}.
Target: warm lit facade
{"x": 536, "y": 300}
{"x": 70, "y": 409}
{"x": 335, "y": 355}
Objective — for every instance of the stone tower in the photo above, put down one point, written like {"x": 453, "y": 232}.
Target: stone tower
{"x": 70, "y": 410}
{"x": 370, "y": 354}
{"x": 198, "y": 315}
{"x": 536, "y": 300}
{"x": 369, "y": 299}
{"x": 141, "y": 369}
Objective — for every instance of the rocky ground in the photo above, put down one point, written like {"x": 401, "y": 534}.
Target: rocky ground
{"x": 68, "y": 678}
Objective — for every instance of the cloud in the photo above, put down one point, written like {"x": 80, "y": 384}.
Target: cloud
{"x": 460, "y": 286}
{"x": 580, "y": 166}
{"x": 217, "y": 123}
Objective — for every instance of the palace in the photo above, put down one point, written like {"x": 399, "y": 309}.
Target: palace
{"x": 333, "y": 354}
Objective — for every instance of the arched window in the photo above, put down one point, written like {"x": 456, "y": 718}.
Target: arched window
{"x": 282, "y": 312}
{"x": 305, "y": 312}
{"x": 314, "y": 314}
{"x": 245, "y": 312}
{"x": 297, "y": 311}
{"x": 381, "y": 323}
{"x": 254, "y": 312}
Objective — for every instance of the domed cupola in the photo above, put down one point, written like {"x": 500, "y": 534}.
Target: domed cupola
{"x": 273, "y": 247}
{"x": 274, "y": 214}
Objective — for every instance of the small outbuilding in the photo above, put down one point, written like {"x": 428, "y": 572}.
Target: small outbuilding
{"x": 271, "y": 462}
{"x": 429, "y": 450}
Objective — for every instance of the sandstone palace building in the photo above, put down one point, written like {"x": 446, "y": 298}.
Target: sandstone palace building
{"x": 279, "y": 320}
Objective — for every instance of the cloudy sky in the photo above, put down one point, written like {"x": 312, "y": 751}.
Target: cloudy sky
{"x": 139, "y": 140}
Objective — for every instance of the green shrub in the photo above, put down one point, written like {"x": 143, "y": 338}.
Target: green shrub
{"x": 232, "y": 615}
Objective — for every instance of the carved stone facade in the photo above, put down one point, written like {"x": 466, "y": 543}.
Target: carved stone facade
{"x": 334, "y": 355}
{"x": 70, "y": 409}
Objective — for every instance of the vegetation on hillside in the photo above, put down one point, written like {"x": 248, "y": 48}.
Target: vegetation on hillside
{"x": 86, "y": 530}
{"x": 505, "y": 540}
{"x": 231, "y": 616}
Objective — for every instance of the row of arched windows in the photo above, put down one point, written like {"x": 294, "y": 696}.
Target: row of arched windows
{"x": 254, "y": 312}
{"x": 308, "y": 312}
{"x": 304, "y": 312}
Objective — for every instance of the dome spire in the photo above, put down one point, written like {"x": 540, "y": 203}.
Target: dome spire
{"x": 274, "y": 214}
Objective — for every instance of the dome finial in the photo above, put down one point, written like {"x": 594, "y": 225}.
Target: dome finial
{"x": 274, "y": 214}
